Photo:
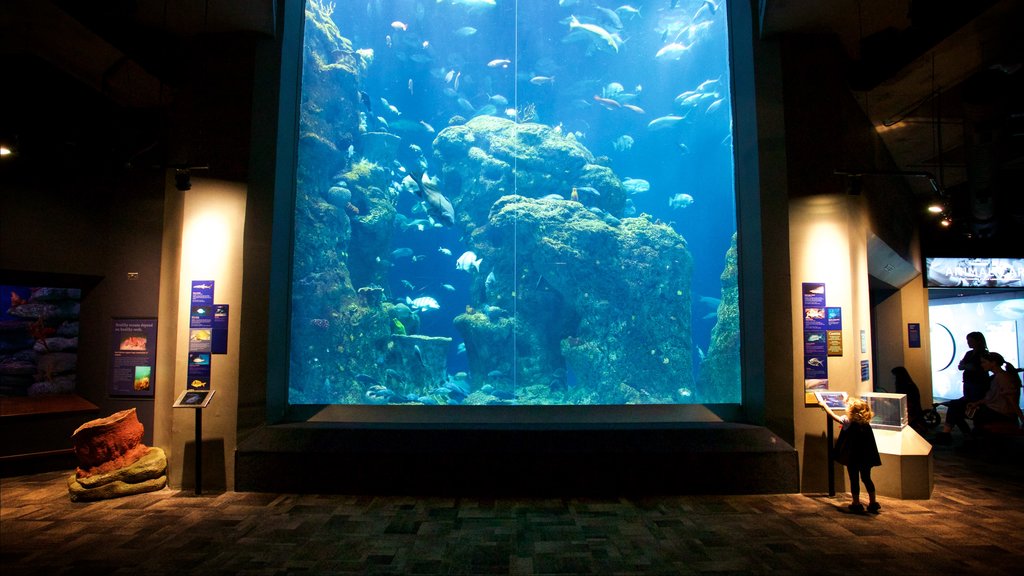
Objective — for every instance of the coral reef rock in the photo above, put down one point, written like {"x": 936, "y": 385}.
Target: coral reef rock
{"x": 415, "y": 365}
{"x": 720, "y": 370}
{"x": 147, "y": 474}
{"x": 344, "y": 216}
{"x": 602, "y": 311}
{"x": 490, "y": 157}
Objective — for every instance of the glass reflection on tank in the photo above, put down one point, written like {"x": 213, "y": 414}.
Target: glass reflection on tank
{"x": 514, "y": 203}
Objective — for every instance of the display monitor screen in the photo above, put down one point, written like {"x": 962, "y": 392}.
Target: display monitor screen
{"x": 512, "y": 202}
{"x": 1000, "y": 319}
{"x": 975, "y": 272}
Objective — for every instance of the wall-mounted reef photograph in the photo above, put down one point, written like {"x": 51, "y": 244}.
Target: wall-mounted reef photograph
{"x": 502, "y": 202}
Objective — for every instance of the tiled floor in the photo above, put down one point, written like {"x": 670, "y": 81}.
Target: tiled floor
{"x": 973, "y": 524}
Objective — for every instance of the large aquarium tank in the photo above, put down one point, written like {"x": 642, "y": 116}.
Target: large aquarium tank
{"x": 502, "y": 202}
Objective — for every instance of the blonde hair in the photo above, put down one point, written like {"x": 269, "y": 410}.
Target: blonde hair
{"x": 859, "y": 411}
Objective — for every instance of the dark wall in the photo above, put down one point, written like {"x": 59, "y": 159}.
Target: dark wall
{"x": 827, "y": 131}
{"x": 92, "y": 235}
{"x": 83, "y": 200}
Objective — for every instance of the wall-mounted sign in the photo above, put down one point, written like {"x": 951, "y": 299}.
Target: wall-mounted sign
{"x": 202, "y": 292}
{"x": 219, "y": 336}
{"x": 198, "y": 371}
{"x": 865, "y": 371}
{"x": 835, "y": 342}
{"x": 815, "y": 357}
{"x": 834, "y": 317}
{"x": 134, "y": 357}
{"x": 200, "y": 335}
{"x": 914, "y": 335}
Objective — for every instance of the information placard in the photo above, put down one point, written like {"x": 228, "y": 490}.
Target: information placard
{"x": 815, "y": 320}
{"x": 194, "y": 399}
{"x": 133, "y": 357}
{"x": 914, "y": 335}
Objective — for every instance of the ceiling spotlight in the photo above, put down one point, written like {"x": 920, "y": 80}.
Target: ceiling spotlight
{"x": 936, "y": 208}
{"x": 945, "y": 222}
{"x": 5, "y": 151}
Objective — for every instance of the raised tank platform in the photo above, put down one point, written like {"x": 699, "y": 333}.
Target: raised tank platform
{"x": 510, "y": 459}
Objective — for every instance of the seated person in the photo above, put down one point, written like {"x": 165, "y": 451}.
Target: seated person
{"x": 1002, "y": 402}
{"x": 904, "y": 384}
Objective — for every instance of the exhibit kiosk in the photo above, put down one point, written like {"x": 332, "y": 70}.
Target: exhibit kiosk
{"x": 906, "y": 470}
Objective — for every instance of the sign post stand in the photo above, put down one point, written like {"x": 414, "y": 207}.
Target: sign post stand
{"x": 197, "y": 400}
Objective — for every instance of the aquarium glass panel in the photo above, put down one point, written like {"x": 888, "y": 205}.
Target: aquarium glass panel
{"x": 503, "y": 202}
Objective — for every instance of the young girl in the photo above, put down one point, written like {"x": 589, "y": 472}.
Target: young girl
{"x": 856, "y": 449}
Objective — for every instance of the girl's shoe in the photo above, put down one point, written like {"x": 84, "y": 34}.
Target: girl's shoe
{"x": 874, "y": 507}
{"x": 856, "y": 508}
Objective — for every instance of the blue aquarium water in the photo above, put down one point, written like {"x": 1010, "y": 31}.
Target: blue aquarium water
{"x": 515, "y": 202}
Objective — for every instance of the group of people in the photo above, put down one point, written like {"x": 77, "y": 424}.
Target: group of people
{"x": 987, "y": 400}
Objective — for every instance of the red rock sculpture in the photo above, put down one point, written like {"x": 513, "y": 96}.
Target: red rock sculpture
{"x": 108, "y": 443}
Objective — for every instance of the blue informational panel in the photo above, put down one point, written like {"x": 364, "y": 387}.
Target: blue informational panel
{"x": 816, "y": 327}
{"x": 914, "y": 335}
{"x": 134, "y": 357}
{"x": 200, "y": 335}
{"x": 219, "y": 339}
{"x": 198, "y": 371}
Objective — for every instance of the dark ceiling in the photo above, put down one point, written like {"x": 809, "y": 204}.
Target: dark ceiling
{"x": 941, "y": 82}
{"x": 98, "y": 84}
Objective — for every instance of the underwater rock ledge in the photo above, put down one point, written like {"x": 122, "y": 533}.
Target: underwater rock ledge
{"x": 595, "y": 304}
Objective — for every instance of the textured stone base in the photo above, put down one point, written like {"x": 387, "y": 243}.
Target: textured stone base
{"x": 146, "y": 475}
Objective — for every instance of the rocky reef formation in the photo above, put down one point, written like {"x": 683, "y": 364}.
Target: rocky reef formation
{"x": 490, "y": 157}
{"x": 601, "y": 304}
{"x": 602, "y": 312}
{"x": 720, "y": 369}
{"x": 147, "y": 474}
{"x": 344, "y": 216}
{"x": 38, "y": 347}
{"x": 112, "y": 461}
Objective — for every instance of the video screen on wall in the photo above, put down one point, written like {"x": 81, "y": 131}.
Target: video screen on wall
{"x": 502, "y": 202}
{"x": 999, "y": 317}
{"x": 975, "y": 272}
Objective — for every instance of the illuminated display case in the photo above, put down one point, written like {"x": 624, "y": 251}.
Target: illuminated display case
{"x": 890, "y": 410}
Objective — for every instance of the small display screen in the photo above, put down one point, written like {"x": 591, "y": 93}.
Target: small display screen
{"x": 193, "y": 398}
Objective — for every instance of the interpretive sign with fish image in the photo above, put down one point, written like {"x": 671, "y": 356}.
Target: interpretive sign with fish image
{"x": 816, "y": 339}
{"x": 198, "y": 371}
{"x": 200, "y": 321}
{"x": 134, "y": 357}
{"x": 834, "y": 317}
{"x": 200, "y": 335}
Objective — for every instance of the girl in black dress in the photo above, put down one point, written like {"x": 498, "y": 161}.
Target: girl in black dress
{"x": 856, "y": 449}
